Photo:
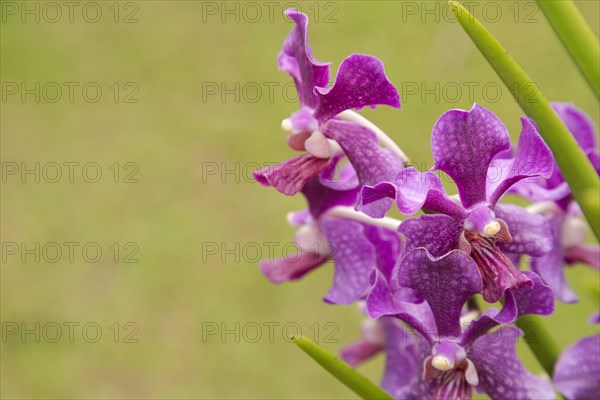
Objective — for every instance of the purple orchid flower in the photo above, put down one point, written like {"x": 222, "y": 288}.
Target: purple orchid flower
{"x": 324, "y": 123}
{"x": 578, "y": 368}
{"x": 435, "y": 358}
{"x": 466, "y": 146}
{"x": 554, "y": 201}
{"x": 356, "y": 248}
{"x": 555, "y": 188}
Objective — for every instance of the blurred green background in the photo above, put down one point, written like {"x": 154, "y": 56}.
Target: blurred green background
{"x": 180, "y": 139}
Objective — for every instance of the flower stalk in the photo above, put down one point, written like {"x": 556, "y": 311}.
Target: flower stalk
{"x": 574, "y": 164}
{"x": 340, "y": 370}
{"x": 577, "y": 37}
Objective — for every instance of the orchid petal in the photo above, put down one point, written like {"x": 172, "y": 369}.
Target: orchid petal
{"x": 360, "y": 81}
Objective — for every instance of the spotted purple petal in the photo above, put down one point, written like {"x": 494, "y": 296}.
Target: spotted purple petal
{"x": 463, "y": 145}
{"x": 354, "y": 257}
{"x": 550, "y": 266}
{"x": 533, "y": 158}
{"x": 530, "y": 232}
{"x": 579, "y": 123}
{"x": 501, "y": 374}
{"x": 360, "y": 81}
{"x": 387, "y": 244}
{"x": 382, "y": 301}
{"x": 577, "y": 370}
{"x": 296, "y": 59}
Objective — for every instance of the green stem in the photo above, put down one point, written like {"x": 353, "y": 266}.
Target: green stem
{"x": 542, "y": 344}
{"x": 574, "y": 164}
{"x": 342, "y": 371}
{"x": 577, "y": 37}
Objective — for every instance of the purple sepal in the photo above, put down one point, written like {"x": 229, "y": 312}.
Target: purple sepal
{"x": 578, "y": 368}
{"x": 375, "y": 201}
{"x": 357, "y": 353}
{"x": 437, "y": 233}
{"x": 358, "y": 250}
{"x": 405, "y": 352}
{"x": 579, "y": 123}
{"x": 584, "y": 253}
{"x": 291, "y": 268}
{"x": 463, "y": 145}
{"x": 289, "y": 177}
{"x": 550, "y": 266}
{"x": 445, "y": 283}
{"x": 296, "y": 59}
{"x": 354, "y": 258}
{"x": 501, "y": 374}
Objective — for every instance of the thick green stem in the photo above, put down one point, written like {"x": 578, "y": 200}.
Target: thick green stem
{"x": 542, "y": 344}
{"x": 574, "y": 164}
{"x": 342, "y": 371}
{"x": 577, "y": 37}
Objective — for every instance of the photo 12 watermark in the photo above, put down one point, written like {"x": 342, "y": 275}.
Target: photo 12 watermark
{"x": 252, "y": 12}
{"x": 427, "y": 92}
{"x": 249, "y": 92}
{"x": 52, "y": 12}
{"x": 268, "y": 332}
{"x": 70, "y": 252}
{"x": 490, "y": 12}
{"x": 70, "y": 92}
{"x": 69, "y": 172}
{"x": 69, "y": 332}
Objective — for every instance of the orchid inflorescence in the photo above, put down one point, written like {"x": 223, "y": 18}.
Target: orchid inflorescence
{"x": 417, "y": 279}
